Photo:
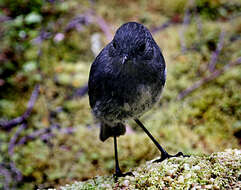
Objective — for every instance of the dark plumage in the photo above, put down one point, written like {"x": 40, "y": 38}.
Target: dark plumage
{"x": 126, "y": 79}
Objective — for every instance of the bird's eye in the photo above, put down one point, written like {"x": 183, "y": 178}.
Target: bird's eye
{"x": 114, "y": 45}
{"x": 142, "y": 48}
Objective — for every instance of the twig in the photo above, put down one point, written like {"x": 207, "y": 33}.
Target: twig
{"x": 199, "y": 25}
{"x": 43, "y": 35}
{"x": 7, "y": 177}
{"x": 87, "y": 18}
{"x": 68, "y": 130}
{"x": 215, "y": 54}
{"x": 162, "y": 27}
{"x": 16, "y": 171}
{"x": 15, "y": 137}
{"x": 36, "y": 134}
{"x": 186, "y": 21}
{"x": 207, "y": 79}
{"x": 10, "y": 174}
{"x": 79, "y": 92}
{"x": 8, "y": 125}
{"x": 46, "y": 136}
{"x": 78, "y": 23}
{"x": 45, "y": 133}
{"x": 103, "y": 26}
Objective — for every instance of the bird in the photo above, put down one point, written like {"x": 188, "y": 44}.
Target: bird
{"x": 126, "y": 79}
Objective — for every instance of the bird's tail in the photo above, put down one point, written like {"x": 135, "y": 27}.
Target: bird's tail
{"x": 107, "y": 131}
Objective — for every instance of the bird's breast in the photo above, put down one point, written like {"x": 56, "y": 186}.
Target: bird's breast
{"x": 140, "y": 99}
{"x": 127, "y": 93}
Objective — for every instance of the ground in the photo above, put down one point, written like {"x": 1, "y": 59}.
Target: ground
{"x": 220, "y": 170}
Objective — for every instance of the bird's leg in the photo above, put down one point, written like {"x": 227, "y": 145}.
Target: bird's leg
{"x": 164, "y": 154}
{"x": 118, "y": 172}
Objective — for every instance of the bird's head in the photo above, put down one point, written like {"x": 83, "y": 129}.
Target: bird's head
{"x": 132, "y": 43}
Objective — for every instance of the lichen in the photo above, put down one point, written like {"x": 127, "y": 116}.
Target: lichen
{"x": 221, "y": 170}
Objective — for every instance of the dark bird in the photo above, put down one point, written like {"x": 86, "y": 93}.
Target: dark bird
{"x": 126, "y": 79}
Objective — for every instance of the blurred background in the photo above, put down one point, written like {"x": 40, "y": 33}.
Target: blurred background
{"x": 48, "y": 136}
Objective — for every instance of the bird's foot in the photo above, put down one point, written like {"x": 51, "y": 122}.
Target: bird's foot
{"x": 166, "y": 156}
{"x": 120, "y": 174}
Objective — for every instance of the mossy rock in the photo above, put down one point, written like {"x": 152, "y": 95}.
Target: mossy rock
{"x": 220, "y": 170}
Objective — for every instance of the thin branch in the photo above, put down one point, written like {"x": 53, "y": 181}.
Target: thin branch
{"x": 45, "y": 133}
{"x": 209, "y": 78}
{"x": 46, "y": 136}
{"x": 9, "y": 174}
{"x": 199, "y": 24}
{"x": 162, "y": 27}
{"x": 215, "y": 54}
{"x": 79, "y": 92}
{"x": 104, "y": 27}
{"x": 15, "y": 137}
{"x": 36, "y": 134}
{"x": 87, "y": 18}
{"x": 15, "y": 170}
{"x": 8, "y": 125}
{"x": 67, "y": 130}
{"x": 186, "y": 21}
{"x": 7, "y": 177}
{"x": 77, "y": 23}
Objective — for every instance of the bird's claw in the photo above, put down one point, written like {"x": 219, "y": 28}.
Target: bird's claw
{"x": 120, "y": 174}
{"x": 166, "y": 156}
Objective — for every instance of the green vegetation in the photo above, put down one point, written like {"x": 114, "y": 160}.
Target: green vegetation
{"x": 218, "y": 171}
{"x": 205, "y": 121}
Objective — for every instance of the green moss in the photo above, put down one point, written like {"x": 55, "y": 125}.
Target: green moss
{"x": 205, "y": 121}
{"x": 220, "y": 170}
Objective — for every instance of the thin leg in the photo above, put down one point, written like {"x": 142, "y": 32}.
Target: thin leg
{"x": 118, "y": 172}
{"x": 117, "y": 167}
{"x": 164, "y": 154}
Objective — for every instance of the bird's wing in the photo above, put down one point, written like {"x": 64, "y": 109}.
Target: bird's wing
{"x": 96, "y": 78}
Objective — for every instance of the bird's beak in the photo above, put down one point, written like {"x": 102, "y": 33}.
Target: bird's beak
{"x": 124, "y": 59}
